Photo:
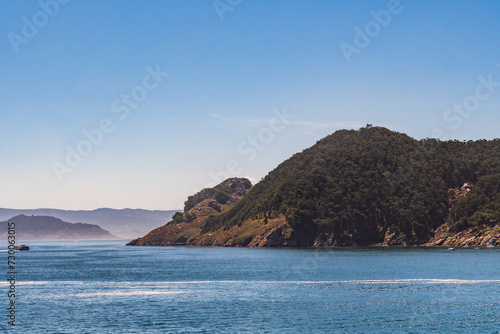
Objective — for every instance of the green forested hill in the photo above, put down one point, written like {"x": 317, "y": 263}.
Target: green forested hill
{"x": 358, "y": 187}
{"x": 370, "y": 186}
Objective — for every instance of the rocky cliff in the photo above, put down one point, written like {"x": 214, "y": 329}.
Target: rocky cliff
{"x": 185, "y": 228}
{"x": 353, "y": 188}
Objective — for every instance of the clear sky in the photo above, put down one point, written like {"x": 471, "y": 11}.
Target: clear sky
{"x": 249, "y": 84}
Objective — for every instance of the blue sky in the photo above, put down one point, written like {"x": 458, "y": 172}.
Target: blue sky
{"x": 227, "y": 81}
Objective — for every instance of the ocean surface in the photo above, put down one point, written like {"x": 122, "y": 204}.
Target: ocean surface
{"x": 105, "y": 287}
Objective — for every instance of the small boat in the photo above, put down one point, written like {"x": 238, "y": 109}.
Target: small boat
{"x": 21, "y": 248}
{"x": 451, "y": 249}
{"x": 490, "y": 246}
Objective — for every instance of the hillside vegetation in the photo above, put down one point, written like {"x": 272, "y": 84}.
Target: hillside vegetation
{"x": 185, "y": 227}
{"x": 365, "y": 187}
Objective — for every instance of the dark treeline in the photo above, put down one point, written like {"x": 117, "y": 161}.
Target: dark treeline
{"x": 366, "y": 183}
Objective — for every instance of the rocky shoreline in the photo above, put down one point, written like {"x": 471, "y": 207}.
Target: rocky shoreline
{"x": 278, "y": 234}
{"x": 352, "y": 188}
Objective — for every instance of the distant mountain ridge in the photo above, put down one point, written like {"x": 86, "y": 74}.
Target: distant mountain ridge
{"x": 361, "y": 187}
{"x": 50, "y": 228}
{"x": 125, "y": 223}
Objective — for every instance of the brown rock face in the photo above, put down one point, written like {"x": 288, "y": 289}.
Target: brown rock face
{"x": 363, "y": 187}
{"x": 277, "y": 232}
{"x": 475, "y": 236}
{"x": 207, "y": 202}
{"x": 275, "y": 236}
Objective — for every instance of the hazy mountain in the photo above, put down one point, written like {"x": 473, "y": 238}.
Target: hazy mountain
{"x": 364, "y": 187}
{"x": 126, "y": 223}
{"x": 50, "y": 228}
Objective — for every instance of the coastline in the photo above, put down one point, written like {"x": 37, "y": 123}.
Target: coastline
{"x": 473, "y": 237}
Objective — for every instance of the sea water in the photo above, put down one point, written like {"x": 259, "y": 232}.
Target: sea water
{"x": 106, "y": 287}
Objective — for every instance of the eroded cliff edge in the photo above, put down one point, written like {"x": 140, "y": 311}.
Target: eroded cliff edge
{"x": 372, "y": 186}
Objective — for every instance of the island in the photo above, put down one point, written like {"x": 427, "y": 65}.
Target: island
{"x": 51, "y": 228}
{"x": 365, "y": 187}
